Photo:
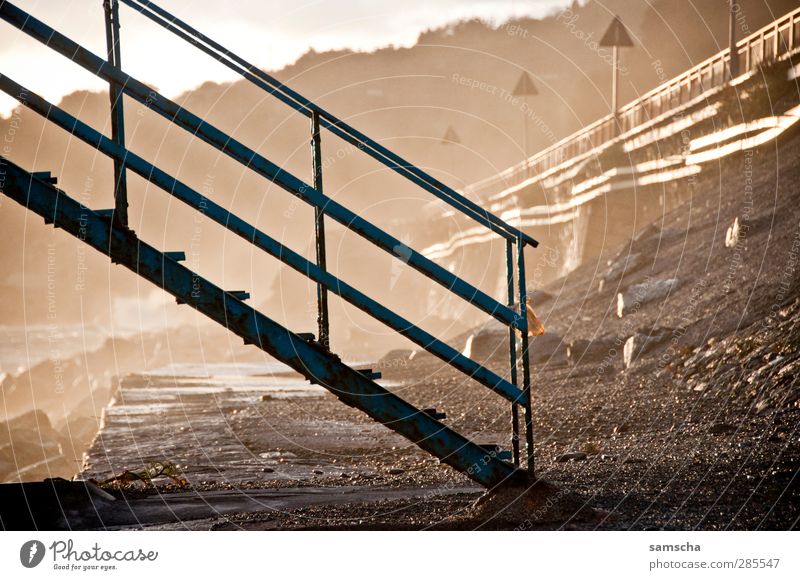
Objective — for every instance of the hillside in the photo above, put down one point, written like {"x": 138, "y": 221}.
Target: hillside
{"x": 700, "y": 432}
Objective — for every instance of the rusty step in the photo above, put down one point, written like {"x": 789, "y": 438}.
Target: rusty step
{"x": 431, "y": 412}
{"x": 45, "y": 176}
{"x": 495, "y": 450}
{"x": 370, "y": 374}
{"x": 176, "y": 256}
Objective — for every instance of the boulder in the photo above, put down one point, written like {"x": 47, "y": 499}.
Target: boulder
{"x": 622, "y": 265}
{"x": 491, "y": 343}
{"x": 732, "y": 235}
{"x": 635, "y": 296}
{"x": 581, "y": 351}
{"x": 548, "y": 349}
{"x": 640, "y": 344}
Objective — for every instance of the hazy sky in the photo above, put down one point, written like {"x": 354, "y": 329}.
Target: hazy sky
{"x": 269, "y": 33}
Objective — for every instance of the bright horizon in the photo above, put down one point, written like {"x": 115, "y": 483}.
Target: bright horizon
{"x": 251, "y": 30}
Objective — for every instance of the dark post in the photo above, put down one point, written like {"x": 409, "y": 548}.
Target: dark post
{"x": 734, "y": 60}
{"x": 111, "y": 8}
{"x": 615, "y": 79}
{"x": 319, "y": 229}
{"x": 512, "y": 352}
{"x": 615, "y": 36}
{"x": 526, "y": 363}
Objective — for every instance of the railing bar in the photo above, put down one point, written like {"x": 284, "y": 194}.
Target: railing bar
{"x": 526, "y": 363}
{"x": 323, "y": 321}
{"x": 114, "y": 52}
{"x": 512, "y": 353}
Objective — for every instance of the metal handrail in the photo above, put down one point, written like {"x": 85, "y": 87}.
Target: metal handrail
{"x": 124, "y": 159}
{"x": 261, "y": 240}
{"x": 775, "y": 41}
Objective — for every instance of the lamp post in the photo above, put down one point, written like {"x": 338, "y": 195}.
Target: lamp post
{"x": 524, "y": 89}
{"x": 615, "y": 36}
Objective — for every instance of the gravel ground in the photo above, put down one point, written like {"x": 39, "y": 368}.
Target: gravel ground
{"x": 700, "y": 433}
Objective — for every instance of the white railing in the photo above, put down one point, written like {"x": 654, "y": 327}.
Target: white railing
{"x": 775, "y": 41}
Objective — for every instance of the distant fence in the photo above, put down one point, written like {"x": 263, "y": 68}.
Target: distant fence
{"x": 775, "y": 41}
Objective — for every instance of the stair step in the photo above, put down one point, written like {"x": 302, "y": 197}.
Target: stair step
{"x": 45, "y": 176}
{"x": 495, "y": 450}
{"x": 370, "y": 374}
{"x": 176, "y": 256}
{"x": 434, "y": 414}
{"x": 240, "y": 294}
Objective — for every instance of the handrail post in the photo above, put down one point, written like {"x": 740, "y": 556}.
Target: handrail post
{"x": 512, "y": 352}
{"x": 526, "y": 364}
{"x": 323, "y": 321}
{"x": 111, "y": 9}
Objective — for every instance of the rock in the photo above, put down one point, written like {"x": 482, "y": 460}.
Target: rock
{"x": 491, "y": 341}
{"x": 635, "y": 296}
{"x": 620, "y": 266}
{"x": 396, "y": 471}
{"x": 732, "y": 235}
{"x": 593, "y": 351}
{"x": 319, "y": 472}
{"x": 592, "y": 448}
{"x": 571, "y": 456}
{"x": 81, "y": 430}
{"x": 607, "y": 457}
{"x": 721, "y": 429}
{"x": 633, "y": 460}
{"x": 548, "y": 349}
{"x": 36, "y": 420}
{"x": 641, "y": 343}
{"x": 268, "y": 470}
{"x": 538, "y": 297}
{"x": 529, "y": 505}
{"x": 54, "y": 504}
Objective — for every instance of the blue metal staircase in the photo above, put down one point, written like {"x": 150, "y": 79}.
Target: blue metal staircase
{"x": 108, "y": 232}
